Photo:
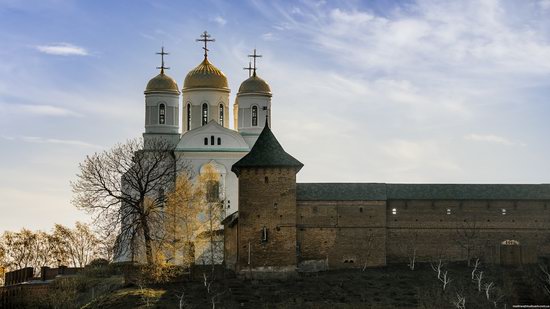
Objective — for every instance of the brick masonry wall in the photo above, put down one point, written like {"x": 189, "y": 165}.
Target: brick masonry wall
{"x": 271, "y": 203}
{"x": 230, "y": 246}
{"x": 347, "y": 234}
{"x": 449, "y": 228}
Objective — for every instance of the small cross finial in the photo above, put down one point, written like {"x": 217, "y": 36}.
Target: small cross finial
{"x": 254, "y": 56}
{"x": 205, "y": 37}
{"x": 162, "y": 67}
{"x": 249, "y": 69}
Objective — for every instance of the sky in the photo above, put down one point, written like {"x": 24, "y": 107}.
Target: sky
{"x": 363, "y": 91}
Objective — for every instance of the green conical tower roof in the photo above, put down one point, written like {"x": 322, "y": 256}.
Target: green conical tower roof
{"x": 266, "y": 152}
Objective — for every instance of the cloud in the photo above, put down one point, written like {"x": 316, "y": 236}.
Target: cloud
{"x": 489, "y": 138}
{"x": 62, "y": 49}
{"x": 544, "y": 4}
{"x": 46, "y": 110}
{"x": 219, "y": 20}
{"x": 416, "y": 155}
{"x": 42, "y": 140}
{"x": 269, "y": 36}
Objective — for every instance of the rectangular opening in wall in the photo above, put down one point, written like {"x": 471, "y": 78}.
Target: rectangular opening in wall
{"x": 264, "y": 234}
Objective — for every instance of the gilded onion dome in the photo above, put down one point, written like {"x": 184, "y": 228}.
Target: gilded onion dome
{"x": 254, "y": 84}
{"x": 205, "y": 75}
{"x": 162, "y": 83}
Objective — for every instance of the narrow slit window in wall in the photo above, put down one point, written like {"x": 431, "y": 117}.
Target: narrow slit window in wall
{"x": 219, "y": 141}
{"x": 221, "y": 115}
{"x": 204, "y": 113}
{"x": 264, "y": 234}
{"x": 188, "y": 116}
{"x": 162, "y": 114}
{"x": 254, "y": 116}
{"x": 212, "y": 140}
{"x": 206, "y": 141}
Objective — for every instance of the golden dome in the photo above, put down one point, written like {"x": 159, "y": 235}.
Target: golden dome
{"x": 205, "y": 75}
{"x": 254, "y": 84}
{"x": 162, "y": 82}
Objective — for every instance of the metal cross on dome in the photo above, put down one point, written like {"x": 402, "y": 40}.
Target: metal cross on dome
{"x": 205, "y": 37}
{"x": 249, "y": 69}
{"x": 254, "y": 56}
{"x": 162, "y": 67}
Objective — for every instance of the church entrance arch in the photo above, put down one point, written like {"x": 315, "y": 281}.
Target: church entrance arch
{"x": 510, "y": 252}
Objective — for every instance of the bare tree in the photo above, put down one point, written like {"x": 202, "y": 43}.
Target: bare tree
{"x": 80, "y": 244}
{"x": 445, "y": 279}
{"x": 182, "y": 222}
{"x": 3, "y": 263}
{"x": 437, "y": 268}
{"x": 124, "y": 189}
{"x": 42, "y": 248}
{"x": 211, "y": 214}
{"x": 106, "y": 243}
{"x": 18, "y": 248}
{"x": 181, "y": 298}
{"x": 479, "y": 280}
{"x": 467, "y": 237}
{"x": 476, "y": 266}
{"x": 545, "y": 278}
{"x": 411, "y": 248}
{"x": 213, "y": 295}
{"x": 441, "y": 274}
{"x": 460, "y": 302}
{"x": 487, "y": 287}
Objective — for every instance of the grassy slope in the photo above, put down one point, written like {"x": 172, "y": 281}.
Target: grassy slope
{"x": 392, "y": 287}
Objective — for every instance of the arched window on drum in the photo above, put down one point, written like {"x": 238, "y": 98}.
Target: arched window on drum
{"x": 204, "y": 113}
{"x": 162, "y": 113}
{"x": 254, "y": 116}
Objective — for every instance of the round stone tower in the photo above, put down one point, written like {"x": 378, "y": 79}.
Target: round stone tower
{"x": 266, "y": 238}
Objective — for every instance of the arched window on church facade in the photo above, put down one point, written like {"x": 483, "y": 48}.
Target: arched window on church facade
{"x": 204, "y": 113}
{"x": 213, "y": 191}
{"x": 188, "y": 116}
{"x": 221, "y": 115}
{"x": 162, "y": 113}
{"x": 254, "y": 116}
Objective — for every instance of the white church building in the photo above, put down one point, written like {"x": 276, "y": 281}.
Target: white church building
{"x": 205, "y": 138}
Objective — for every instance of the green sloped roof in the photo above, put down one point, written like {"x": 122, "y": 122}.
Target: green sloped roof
{"x": 381, "y": 191}
{"x": 340, "y": 191}
{"x": 469, "y": 191}
{"x": 266, "y": 152}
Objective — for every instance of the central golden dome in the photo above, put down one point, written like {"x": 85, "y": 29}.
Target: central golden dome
{"x": 163, "y": 83}
{"x": 205, "y": 75}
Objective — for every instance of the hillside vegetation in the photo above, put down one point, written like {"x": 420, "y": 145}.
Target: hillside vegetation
{"x": 395, "y": 286}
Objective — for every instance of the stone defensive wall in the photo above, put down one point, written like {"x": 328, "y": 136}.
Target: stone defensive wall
{"x": 371, "y": 224}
